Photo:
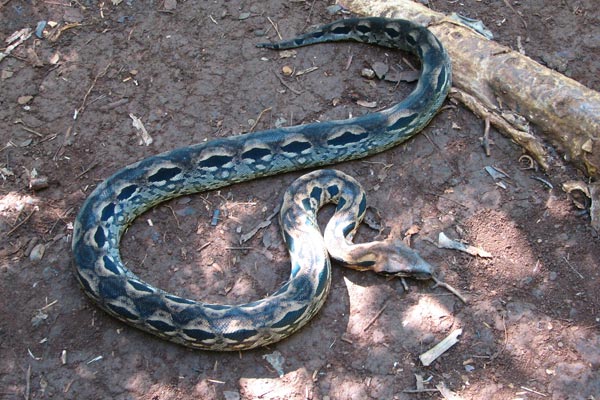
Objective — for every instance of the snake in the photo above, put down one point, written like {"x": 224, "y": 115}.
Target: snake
{"x": 115, "y": 203}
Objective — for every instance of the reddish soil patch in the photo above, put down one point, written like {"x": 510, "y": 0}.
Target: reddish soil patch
{"x": 192, "y": 74}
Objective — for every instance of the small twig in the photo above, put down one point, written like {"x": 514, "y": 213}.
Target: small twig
{"x": 419, "y": 390}
{"x": 515, "y": 11}
{"x": 205, "y": 245}
{"x": 500, "y": 350}
{"x": 404, "y": 284}
{"x": 275, "y": 27}
{"x": 486, "y": 137}
{"x": 410, "y": 65}
{"x": 89, "y": 91}
{"x": 440, "y": 151}
{"x": 28, "y": 129}
{"x": 88, "y": 169}
{"x": 534, "y": 391}
{"x": 449, "y": 288}
{"x": 372, "y": 321}
{"x": 573, "y": 268}
{"x": 350, "y": 57}
{"x": 174, "y": 216}
{"x": 347, "y": 340}
{"x": 28, "y": 382}
{"x": 447, "y": 393}
{"x": 545, "y": 182}
{"x": 285, "y": 84}
{"x": 259, "y": 117}
{"x": 445, "y": 198}
{"x": 312, "y": 6}
{"x": 49, "y": 305}
{"x": 20, "y": 223}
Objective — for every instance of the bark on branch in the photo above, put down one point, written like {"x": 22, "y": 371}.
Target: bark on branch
{"x": 507, "y": 88}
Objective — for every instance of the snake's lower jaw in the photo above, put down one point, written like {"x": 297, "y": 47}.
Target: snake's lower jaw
{"x": 405, "y": 262}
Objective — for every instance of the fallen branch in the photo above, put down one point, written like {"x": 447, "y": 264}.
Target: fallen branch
{"x": 494, "y": 82}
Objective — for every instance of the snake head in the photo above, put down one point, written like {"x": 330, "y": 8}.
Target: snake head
{"x": 401, "y": 261}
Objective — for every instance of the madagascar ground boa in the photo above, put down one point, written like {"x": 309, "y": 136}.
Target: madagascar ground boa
{"x": 117, "y": 201}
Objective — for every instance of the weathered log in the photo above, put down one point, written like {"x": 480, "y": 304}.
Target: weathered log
{"x": 505, "y": 86}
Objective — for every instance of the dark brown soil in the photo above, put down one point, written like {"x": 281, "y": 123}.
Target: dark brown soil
{"x": 530, "y": 329}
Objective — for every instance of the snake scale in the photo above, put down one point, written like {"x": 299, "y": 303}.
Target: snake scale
{"x": 117, "y": 201}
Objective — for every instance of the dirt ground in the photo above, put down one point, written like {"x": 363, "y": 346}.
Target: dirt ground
{"x": 191, "y": 73}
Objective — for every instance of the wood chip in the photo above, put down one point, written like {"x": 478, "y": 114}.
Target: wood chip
{"x": 432, "y": 354}
{"x": 145, "y": 137}
{"x": 444, "y": 242}
{"x": 367, "y": 104}
{"x": 447, "y": 393}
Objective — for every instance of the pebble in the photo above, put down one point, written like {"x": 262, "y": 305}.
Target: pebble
{"x": 39, "y": 29}
{"x": 367, "y": 73}
{"x": 334, "y": 9}
{"x": 37, "y": 252}
{"x": 279, "y": 122}
{"x": 230, "y": 395}
{"x": 6, "y": 74}
{"x": 380, "y": 69}
{"x": 24, "y": 99}
{"x": 552, "y": 276}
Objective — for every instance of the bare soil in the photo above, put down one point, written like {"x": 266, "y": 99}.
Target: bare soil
{"x": 192, "y": 73}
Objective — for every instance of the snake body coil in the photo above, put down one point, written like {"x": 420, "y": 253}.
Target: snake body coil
{"x": 117, "y": 201}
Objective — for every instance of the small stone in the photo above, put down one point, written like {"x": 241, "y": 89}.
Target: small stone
{"x": 39, "y": 29}
{"x": 54, "y": 58}
{"x": 6, "y": 74}
{"x": 244, "y": 15}
{"x": 552, "y": 276}
{"x": 334, "y": 9}
{"x": 170, "y": 5}
{"x": 37, "y": 252}
{"x": 380, "y": 69}
{"x": 22, "y": 100}
{"x": 367, "y": 73}
{"x": 279, "y": 122}
{"x": 287, "y": 70}
{"x": 287, "y": 53}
